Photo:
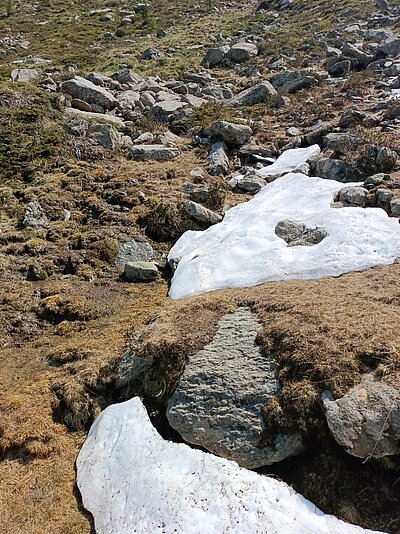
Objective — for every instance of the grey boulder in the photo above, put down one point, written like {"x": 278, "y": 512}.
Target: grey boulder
{"x": 236, "y": 134}
{"x": 153, "y": 152}
{"x": 218, "y": 158}
{"x": 334, "y": 169}
{"x": 218, "y": 400}
{"x": 87, "y": 91}
{"x": 132, "y": 251}
{"x": 353, "y": 196}
{"x": 140, "y": 271}
{"x": 24, "y": 75}
{"x": 259, "y": 93}
{"x": 366, "y": 421}
{"x": 200, "y": 213}
{"x": 34, "y": 216}
{"x": 108, "y": 137}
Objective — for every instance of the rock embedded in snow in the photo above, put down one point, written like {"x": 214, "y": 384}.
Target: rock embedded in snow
{"x": 298, "y": 234}
{"x": 334, "y": 169}
{"x": 353, "y": 196}
{"x": 132, "y": 480}
{"x": 200, "y": 213}
{"x": 250, "y": 182}
{"x": 217, "y": 402}
{"x": 250, "y": 253}
{"x": 241, "y": 52}
{"x": 366, "y": 421}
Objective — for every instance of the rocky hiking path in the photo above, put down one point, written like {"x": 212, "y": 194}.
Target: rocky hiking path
{"x": 200, "y": 225}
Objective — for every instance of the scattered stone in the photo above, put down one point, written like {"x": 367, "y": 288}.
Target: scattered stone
{"x": 317, "y": 133}
{"x": 386, "y": 159}
{"x": 392, "y": 113}
{"x": 133, "y": 251}
{"x": 383, "y": 198}
{"x": 340, "y": 68}
{"x": 366, "y": 421}
{"x": 236, "y": 134}
{"x": 23, "y": 75}
{"x": 390, "y": 47}
{"x": 87, "y": 91}
{"x": 376, "y": 179}
{"x": 259, "y": 93}
{"x": 150, "y": 53}
{"x": 71, "y": 113}
{"x": 303, "y": 82}
{"x": 166, "y": 111}
{"x": 214, "y": 56}
{"x": 395, "y": 207}
{"x": 34, "y": 216}
{"x": 350, "y": 118}
{"x": 241, "y": 52}
{"x": 126, "y": 76}
{"x": 140, "y": 271}
{"x": 217, "y": 403}
{"x": 219, "y": 161}
{"x": 201, "y": 214}
{"x": 130, "y": 369}
{"x": 76, "y": 103}
{"x": 153, "y": 152}
{"x": 351, "y": 51}
{"x": 250, "y": 182}
{"x": 108, "y": 137}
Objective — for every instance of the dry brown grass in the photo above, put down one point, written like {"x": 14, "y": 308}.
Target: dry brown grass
{"x": 327, "y": 332}
{"x": 37, "y": 453}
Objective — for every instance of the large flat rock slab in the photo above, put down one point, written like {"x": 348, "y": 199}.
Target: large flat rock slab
{"x": 217, "y": 403}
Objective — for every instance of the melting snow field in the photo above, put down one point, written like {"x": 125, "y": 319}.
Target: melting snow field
{"x": 243, "y": 250}
{"x": 133, "y": 481}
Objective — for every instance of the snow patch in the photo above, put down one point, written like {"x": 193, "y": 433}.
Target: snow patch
{"x": 243, "y": 250}
{"x": 133, "y": 481}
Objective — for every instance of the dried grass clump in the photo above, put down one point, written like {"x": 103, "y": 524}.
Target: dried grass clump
{"x": 58, "y": 308}
{"x": 319, "y": 331}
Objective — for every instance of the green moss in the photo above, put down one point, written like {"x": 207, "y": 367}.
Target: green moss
{"x": 31, "y": 131}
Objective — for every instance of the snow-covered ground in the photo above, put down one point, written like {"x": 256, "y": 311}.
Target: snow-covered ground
{"x": 243, "y": 250}
{"x": 133, "y": 481}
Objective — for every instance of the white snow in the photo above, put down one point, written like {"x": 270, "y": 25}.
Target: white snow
{"x": 290, "y": 161}
{"x": 133, "y": 481}
{"x": 243, "y": 250}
